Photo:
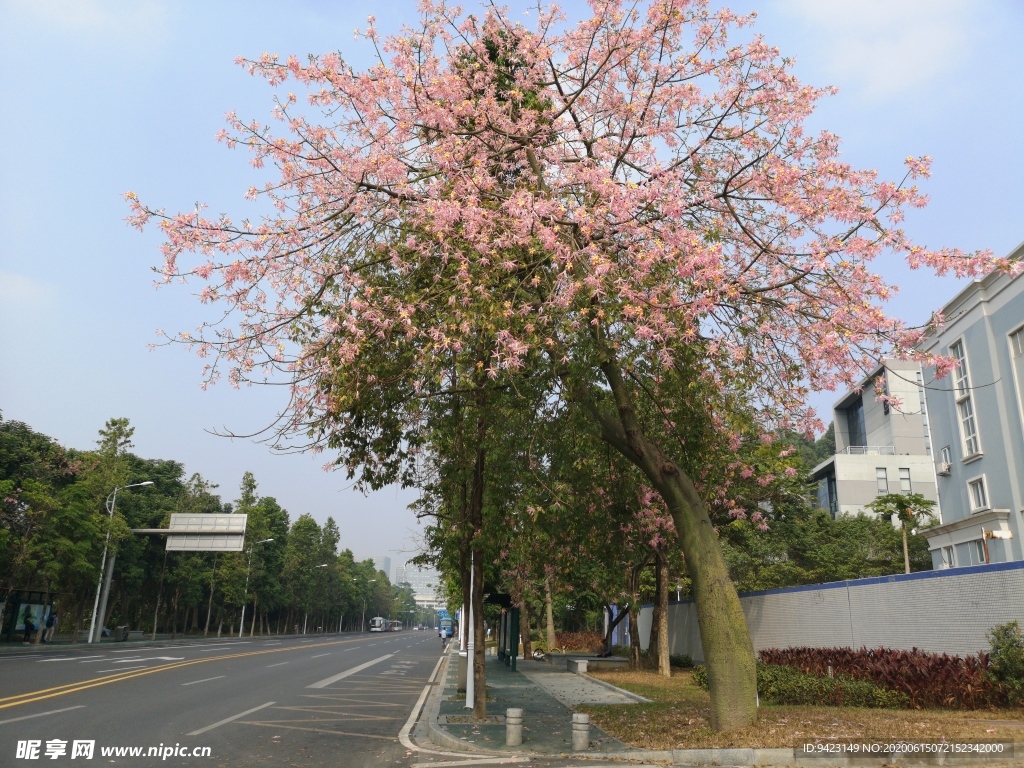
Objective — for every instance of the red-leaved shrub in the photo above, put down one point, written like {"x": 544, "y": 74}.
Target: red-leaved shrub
{"x": 928, "y": 679}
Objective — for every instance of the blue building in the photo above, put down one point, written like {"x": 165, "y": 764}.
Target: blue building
{"x": 976, "y": 421}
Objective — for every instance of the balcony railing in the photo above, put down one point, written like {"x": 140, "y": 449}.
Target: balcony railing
{"x": 872, "y": 450}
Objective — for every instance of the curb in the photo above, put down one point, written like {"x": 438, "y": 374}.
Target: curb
{"x": 629, "y": 694}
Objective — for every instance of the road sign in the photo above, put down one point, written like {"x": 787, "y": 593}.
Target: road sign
{"x": 206, "y": 533}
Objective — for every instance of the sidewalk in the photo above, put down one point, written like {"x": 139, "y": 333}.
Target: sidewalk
{"x": 545, "y": 694}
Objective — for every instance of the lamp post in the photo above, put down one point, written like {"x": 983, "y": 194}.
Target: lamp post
{"x": 245, "y": 595}
{"x": 362, "y": 621}
{"x": 105, "y": 582}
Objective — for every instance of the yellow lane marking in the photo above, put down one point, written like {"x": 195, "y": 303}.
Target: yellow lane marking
{"x": 61, "y": 690}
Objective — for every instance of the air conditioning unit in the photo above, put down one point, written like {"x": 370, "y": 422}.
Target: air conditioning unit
{"x": 944, "y": 469}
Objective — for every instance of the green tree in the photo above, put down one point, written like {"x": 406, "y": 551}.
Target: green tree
{"x": 911, "y": 509}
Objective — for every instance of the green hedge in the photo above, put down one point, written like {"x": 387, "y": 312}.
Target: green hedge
{"x": 785, "y": 685}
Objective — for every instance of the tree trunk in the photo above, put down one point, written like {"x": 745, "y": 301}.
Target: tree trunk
{"x": 664, "y": 651}
{"x": 654, "y": 642}
{"x": 728, "y": 650}
{"x": 174, "y": 614}
{"x": 549, "y": 615}
{"x": 906, "y": 551}
{"x": 634, "y": 635}
{"x": 527, "y": 636}
{"x": 479, "y": 640}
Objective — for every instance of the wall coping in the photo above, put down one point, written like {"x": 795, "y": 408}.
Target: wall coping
{"x": 945, "y": 573}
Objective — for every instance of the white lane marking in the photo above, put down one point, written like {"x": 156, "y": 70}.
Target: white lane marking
{"x": 40, "y": 714}
{"x": 149, "y": 658}
{"x": 122, "y": 669}
{"x": 184, "y": 647}
{"x": 342, "y": 675}
{"x": 227, "y": 720}
{"x": 479, "y": 761}
{"x": 319, "y": 655}
{"x": 204, "y": 680}
{"x": 69, "y": 658}
{"x": 277, "y": 665}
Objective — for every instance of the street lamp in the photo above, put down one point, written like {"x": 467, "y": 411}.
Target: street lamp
{"x": 245, "y": 596}
{"x": 105, "y": 583}
{"x": 362, "y": 621}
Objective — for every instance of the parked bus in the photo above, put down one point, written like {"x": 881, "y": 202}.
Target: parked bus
{"x": 394, "y": 626}
{"x": 378, "y": 624}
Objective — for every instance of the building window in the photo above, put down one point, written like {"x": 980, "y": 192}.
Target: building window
{"x": 855, "y": 423}
{"x": 881, "y": 481}
{"x": 977, "y": 550}
{"x": 905, "y": 480}
{"x": 947, "y": 455}
{"x": 979, "y": 495}
{"x": 948, "y": 558}
{"x": 964, "y": 403}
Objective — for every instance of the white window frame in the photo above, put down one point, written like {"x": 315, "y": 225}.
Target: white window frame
{"x": 981, "y": 481}
{"x": 977, "y": 550}
{"x": 947, "y": 455}
{"x": 1015, "y": 341}
{"x": 966, "y": 416}
{"x": 881, "y": 481}
{"x": 909, "y": 488}
{"x": 948, "y": 556}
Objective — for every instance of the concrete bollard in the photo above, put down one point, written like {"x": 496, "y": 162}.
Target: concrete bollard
{"x": 580, "y": 732}
{"x": 513, "y": 727}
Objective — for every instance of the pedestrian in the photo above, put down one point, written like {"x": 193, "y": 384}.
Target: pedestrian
{"x": 51, "y": 624}
{"x": 29, "y": 626}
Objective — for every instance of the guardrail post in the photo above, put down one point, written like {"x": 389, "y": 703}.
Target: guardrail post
{"x": 580, "y": 732}
{"x": 513, "y": 727}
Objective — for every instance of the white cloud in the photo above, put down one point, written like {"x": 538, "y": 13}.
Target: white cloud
{"x": 886, "y": 48}
{"x": 131, "y": 21}
{"x": 19, "y": 293}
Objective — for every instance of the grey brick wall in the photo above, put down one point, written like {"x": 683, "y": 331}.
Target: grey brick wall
{"x": 948, "y": 611}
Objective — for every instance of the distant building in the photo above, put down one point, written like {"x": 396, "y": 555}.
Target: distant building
{"x": 424, "y": 582}
{"x": 399, "y": 574}
{"x": 879, "y": 449}
{"x": 383, "y": 563}
{"x": 977, "y": 423}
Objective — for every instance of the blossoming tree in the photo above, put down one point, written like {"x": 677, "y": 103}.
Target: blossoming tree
{"x": 581, "y": 203}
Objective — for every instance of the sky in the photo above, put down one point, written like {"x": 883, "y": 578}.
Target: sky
{"x": 104, "y": 96}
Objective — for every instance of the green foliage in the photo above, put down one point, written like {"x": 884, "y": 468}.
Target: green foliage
{"x": 804, "y": 546}
{"x": 1006, "y": 663}
{"x": 680, "y": 660}
{"x": 786, "y": 685}
{"x": 912, "y": 509}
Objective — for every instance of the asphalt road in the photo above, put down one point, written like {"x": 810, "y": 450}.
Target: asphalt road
{"x": 337, "y": 700}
